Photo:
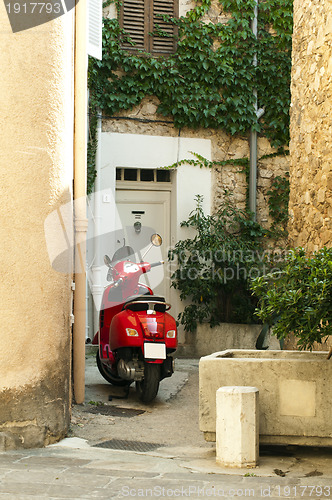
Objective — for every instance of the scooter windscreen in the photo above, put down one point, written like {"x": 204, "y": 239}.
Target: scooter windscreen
{"x": 124, "y": 253}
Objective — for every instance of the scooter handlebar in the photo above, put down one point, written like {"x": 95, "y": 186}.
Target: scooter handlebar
{"x": 117, "y": 283}
{"x": 155, "y": 264}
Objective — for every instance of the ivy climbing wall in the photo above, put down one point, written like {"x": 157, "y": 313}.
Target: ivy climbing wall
{"x": 206, "y": 89}
{"x": 311, "y": 127}
{"x": 224, "y": 147}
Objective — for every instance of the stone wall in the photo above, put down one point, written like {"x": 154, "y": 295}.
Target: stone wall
{"x": 224, "y": 147}
{"x": 311, "y": 132}
{"x": 311, "y": 126}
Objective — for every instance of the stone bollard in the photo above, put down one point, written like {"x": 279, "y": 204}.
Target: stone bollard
{"x": 237, "y": 426}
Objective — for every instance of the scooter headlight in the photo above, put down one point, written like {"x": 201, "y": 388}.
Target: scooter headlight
{"x": 171, "y": 334}
{"x": 131, "y": 332}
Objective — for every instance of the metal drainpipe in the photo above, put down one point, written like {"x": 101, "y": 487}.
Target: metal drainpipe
{"x": 81, "y": 222}
{"x": 253, "y": 133}
{"x": 97, "y": 283}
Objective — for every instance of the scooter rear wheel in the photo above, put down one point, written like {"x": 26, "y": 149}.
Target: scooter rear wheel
{"x": 108, "y": 375}
{"x": 147, "y": 388}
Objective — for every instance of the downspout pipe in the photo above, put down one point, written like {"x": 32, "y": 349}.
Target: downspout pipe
{"x": 253, "y": 133}
{"x": 97, "y": 287}
{"x": 80, "y": 219}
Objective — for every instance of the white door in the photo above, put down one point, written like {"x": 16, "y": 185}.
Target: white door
{"x": 143, "y": 213}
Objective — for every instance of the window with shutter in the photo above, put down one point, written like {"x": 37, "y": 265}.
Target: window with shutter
{"x": 141, "y": 18}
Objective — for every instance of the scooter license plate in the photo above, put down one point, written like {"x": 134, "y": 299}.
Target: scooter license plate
{"x": 154, "y": 351}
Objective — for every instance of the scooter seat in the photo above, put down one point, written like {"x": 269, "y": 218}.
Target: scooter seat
{"x": 145, "y": 302}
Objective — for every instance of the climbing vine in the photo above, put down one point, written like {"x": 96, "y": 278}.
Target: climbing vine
{"x": 91, "y": 151}
{"x": 278, "y": 195}
{"x": 200, "y": 161}
{"x": 210, "y": 80}
{"x": 278, "y": 204}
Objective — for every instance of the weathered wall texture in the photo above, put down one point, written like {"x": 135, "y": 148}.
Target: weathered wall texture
{"x": 35, "y": 179}
{"x": 311, "y": 127}
{"x": 224, "y": 147}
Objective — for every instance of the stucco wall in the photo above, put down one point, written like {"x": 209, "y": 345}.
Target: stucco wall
{"x": 36, "y": 177}
{"x": 311, "y": 128}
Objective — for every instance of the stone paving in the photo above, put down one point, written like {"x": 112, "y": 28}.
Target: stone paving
{"x": 183, "y": 466}
{"x": 72, "y": 469}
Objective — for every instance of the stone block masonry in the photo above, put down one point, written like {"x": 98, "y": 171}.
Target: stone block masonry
{"x": 311, "y": 127}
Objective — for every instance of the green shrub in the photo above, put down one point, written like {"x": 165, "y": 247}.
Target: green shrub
{"x": 298, "y": 299}
{"x": 214, "y": 266}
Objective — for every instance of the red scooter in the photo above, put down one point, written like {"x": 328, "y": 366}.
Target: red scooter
{"x": 136, "y": 334}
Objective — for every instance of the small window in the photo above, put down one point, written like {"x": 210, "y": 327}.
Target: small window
{"x": 143, "y": 175}
{"x": 130, "y": 174}
{"x": 147, "y": 175}
{"x": 163, "y": 176}
{"x": 142, "y": 21}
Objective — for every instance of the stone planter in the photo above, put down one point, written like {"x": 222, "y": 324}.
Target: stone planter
{"x": 206, "y": 340}
{"x": 295, "y": 393}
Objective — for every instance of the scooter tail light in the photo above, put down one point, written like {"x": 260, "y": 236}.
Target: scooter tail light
{"x": 171, "y": 334}
{"x": 131, "y": 332}
{"x": 152, "y": 328}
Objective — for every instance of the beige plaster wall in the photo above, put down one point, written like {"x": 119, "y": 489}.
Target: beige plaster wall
{"x": 311, "y": 128}
{"x": 35, "y": 179}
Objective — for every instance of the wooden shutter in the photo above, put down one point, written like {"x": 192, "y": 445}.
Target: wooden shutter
{"x": 134, "y": 22}
{"x": 140, "y": 17}
{"x": 163, "y": 44}
{"x": 95, "y": 21}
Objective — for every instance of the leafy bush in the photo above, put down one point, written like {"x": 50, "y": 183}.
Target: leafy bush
{"x": 298, "y": 298}
{"x": 214, "y": 267}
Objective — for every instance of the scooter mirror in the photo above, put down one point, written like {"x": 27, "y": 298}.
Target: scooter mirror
{"x": 156, "y": 240}
{"x": 107, "y": 260}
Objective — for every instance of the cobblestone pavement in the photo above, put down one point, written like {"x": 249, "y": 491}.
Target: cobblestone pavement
{"x": 75, "y": 470}
{"x": 176, "y": 462}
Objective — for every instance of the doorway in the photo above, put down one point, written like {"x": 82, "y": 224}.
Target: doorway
{"x": 144, "y": 212}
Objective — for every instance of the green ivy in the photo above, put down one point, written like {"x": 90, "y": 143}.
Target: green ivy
{"x": 278, "y": 194}
{"x": 201, "y": 162}
{"x": 210, "y": 81}
{"x": 91, "y": 152}
{"x": 278, "y": 204}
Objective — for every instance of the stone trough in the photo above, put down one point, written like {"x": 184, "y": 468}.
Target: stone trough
{"x": 295, "y": 393}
